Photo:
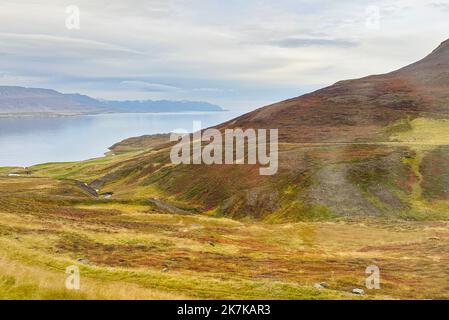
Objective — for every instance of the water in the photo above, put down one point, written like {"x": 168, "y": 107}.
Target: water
{"x": 29, "y": 141}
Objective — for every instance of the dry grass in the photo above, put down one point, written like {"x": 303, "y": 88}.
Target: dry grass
{"x": 128, "y": 245}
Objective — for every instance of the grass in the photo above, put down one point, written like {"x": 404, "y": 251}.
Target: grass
{"x": 84, "y": 170}
{"x": 421, "y": 131}
{"x": 427, "y": 137}
{"x": 127, "y": 245}
{"x": 296, "y": 210}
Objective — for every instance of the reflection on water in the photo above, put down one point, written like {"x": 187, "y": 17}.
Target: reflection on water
{"x": 28, "y": 141}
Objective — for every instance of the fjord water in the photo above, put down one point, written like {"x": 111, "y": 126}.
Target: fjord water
{"x": 34, "y": 140}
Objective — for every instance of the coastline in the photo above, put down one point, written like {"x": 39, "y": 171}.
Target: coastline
{"x": 57, "y": 115}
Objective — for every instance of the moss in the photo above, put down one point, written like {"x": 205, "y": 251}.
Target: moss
{"x": 402, "y": 125}
{"x": 434, "y": 169}
{"x": 297, "y": 210}
{"x": 421, "y": 131}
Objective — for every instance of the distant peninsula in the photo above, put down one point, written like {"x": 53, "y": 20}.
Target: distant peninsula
{"x": 21, "y": 101}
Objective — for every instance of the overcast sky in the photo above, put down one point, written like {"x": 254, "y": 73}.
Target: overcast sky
{"x": 239, "y": 54}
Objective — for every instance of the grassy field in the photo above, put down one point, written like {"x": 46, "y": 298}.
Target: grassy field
{"x": 128, "y": 249}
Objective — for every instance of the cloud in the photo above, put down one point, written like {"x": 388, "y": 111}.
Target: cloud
{"x": 149, "y": 87}
{"x": 78, "y": 43}
{"x": 158, "y": 87}
{"x": 306, "y": 42}
{"x": 210, "y": 50}
{"x": 444, "y": 6}
{"x": 212, "y": 90}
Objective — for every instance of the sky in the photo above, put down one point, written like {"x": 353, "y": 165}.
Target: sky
{"x": 238, "y": 54}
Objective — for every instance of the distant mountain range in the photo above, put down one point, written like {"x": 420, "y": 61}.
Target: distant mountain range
{"x": 20, "y": 101}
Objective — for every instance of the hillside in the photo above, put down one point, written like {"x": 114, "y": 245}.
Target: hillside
{"x": 130, "y": 249}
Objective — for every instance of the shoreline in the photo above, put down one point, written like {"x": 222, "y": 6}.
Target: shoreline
{"x": 57, "y": 115}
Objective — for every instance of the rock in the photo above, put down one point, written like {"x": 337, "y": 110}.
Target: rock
{"x": 321, "y": 285}
{"x": 87, "y": 188}
{"x": 83, "y": 261}
{"x": 97, "y": 184}
{"x": 358, "y": 291}
{"x": 167, "y": 207}
{"x": 165, "y": 269}
{"x": 212, "y": 244}
{"x": 108, "y": 195}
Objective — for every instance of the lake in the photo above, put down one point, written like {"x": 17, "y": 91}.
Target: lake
{"x": 29, "y": 141}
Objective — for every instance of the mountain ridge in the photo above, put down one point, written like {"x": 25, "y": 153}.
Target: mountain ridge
{"x": 17, "y": 101}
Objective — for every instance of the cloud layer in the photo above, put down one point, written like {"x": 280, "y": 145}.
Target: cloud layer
{"x": 241, "y": 54}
